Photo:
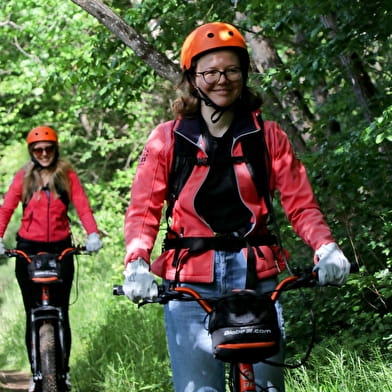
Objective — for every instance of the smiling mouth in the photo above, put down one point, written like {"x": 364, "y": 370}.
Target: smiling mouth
{"x": 44, "y": 160}
{"x": 222, "y": 91}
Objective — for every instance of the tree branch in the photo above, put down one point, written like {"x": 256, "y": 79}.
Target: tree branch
{"x": 131, "y": 38}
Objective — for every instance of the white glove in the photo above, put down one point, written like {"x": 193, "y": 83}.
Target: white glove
{"x": 139, "y": 282}
{"x": 93, "y": 243}
{"x": 2, "y": 248}
{"x": 333, "y": 267}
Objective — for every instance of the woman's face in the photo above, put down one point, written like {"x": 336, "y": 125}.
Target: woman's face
{"x": 222, "y": 89}
{"x": 44, "y": 153}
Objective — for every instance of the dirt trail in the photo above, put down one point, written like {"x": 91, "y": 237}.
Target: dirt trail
{"x": 16, "y": 381}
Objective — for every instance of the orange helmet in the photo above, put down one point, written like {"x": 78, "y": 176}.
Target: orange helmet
{"x": 211, "y": 36}
{"x": 42, "y": 134}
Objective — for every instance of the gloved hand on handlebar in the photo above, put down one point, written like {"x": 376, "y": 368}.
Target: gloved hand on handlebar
{"x": 2, "y": 247}
{"x": 93, "y": 243}
{"x": 333, "y": 267}
{"x": 139, "y": 282}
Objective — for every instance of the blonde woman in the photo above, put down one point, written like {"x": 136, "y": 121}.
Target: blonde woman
{"x": 45, "y": 186}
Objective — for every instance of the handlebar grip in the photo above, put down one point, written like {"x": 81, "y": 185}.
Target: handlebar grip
{"x": 118, "y": 290}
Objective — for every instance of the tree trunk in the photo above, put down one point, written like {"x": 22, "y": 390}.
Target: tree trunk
{"x": 359, "y": 79}
{"x": 299, "y": 119}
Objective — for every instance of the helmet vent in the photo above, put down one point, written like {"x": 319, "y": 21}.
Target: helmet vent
{"x": 210, "y": 35}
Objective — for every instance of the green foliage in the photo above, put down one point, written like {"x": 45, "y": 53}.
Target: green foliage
{"x": 72, "y": 75}
{"x": 31, "y": 53}
{"x": 12, "y": 158}
{"x": 311, "y": 54}
{"x": 350, "y": 174}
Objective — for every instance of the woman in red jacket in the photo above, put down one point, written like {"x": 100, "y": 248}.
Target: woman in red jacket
{"x": 219, "y": 207}
{"x": 45, "y": 186}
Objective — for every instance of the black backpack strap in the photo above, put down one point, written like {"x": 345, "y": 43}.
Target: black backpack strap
{"x": 257, "y": 159}
{"x": 63, "y": 195}
{"x": 223, "y": 242}
{"x": 264, "y": 188}
{"x": 184, "y": 160}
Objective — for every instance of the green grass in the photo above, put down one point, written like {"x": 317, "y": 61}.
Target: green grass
{"x": 342, "y": 371}
{"x": 12, "y": 327}
{"x": 117, "y": 347}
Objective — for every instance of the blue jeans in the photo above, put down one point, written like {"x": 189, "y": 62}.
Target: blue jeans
{"x": 193, "y": 366}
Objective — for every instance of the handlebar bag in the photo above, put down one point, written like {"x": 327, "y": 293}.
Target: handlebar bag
{"x": 244, "y": 327}
{"x": 44, "y": 268}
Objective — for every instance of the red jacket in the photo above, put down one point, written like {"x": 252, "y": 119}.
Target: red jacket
{"x": 149, "y": 191}
{"x": 45, "y": 216}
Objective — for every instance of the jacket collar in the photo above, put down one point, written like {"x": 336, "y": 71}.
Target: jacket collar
{"x": 192, "y": 128}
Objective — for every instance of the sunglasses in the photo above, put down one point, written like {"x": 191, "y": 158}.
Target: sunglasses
{"x": 39, "y": 151}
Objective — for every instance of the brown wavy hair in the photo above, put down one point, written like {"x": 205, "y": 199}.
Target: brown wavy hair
{"x": 58, "y": 180}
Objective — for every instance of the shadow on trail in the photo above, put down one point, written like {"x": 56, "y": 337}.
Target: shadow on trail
{"x": 16, "y": 381}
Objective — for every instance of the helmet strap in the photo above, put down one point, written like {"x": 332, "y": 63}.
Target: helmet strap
{"x": 219, "y": 110}
{"x": 36, "y": 163}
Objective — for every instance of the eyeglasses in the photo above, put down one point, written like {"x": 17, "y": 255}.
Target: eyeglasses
{"x": 214, "y": 75}
{"x": 39, "y": 151}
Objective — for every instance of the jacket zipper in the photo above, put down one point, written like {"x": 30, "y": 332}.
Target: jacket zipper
{"x": 48, "y": 217}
